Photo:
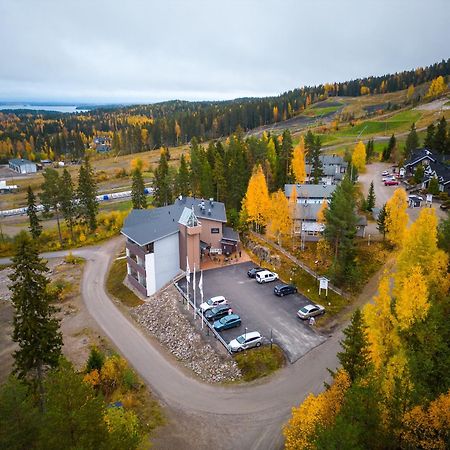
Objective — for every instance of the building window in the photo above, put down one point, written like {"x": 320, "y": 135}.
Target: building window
{"x": 215, "y": 230}
{"x": 149, "y": 248}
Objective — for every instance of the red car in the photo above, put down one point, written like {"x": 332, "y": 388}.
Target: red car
{"x": 391, "y": 182}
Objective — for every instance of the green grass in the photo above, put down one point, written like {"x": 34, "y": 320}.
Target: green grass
{"x": 315, "y": 112}
{"x": 115, "y": 286}
{"x": 260, "y": 362}
{"x": 126, "y": 205}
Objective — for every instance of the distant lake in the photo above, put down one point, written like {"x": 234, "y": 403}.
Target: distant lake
{"x": 57, "y": 108}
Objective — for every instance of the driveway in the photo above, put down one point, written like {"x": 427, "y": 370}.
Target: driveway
{"x": 383, "y": 193}
{"x": 261, "y": 310}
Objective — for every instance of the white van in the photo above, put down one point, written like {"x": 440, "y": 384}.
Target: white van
{"x": 266, "y": 276}
{"x": 245, "y": 341}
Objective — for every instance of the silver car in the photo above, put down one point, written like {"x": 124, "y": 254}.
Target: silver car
{"x": 245, "y": 341}
{"x": 311, "y": 310}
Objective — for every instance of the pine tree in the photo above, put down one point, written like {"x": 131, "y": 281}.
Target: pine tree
{"x": 219, "y": 178}
{"x": 183, "y": 176}
{"x": 370, "y": 150}
{"x": 138, "y": 197}
{"x": 35, "y": 226}
{"x": 50, "y": 195}
{"x": 36, "y": 330}
{"x": 355, "y": 357}
{"x": 419, "y": 173}
{"x": 284, "y": 159}
{"x": 433, "y": 186}
{"x": 67, "y": 201}
{"x": 87, "y": 192}
{"x": 381, "y": 221}
{"x": 340, "y": 229}
{"x": 412, "y": 141}
{"x": 161, "y": 184}
{"x": 370, "y": 204}
{"x": 440, "y": 141}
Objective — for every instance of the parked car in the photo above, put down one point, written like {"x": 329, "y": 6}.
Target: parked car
{"x": 266, "y": 276}
{"x": 253, "y": 271}
{"x": 284, "y": 289}
{"x": 391, "y": 182}
{"x": 385, "y": 173}
{"x": 230, "y": 321}
{"x": 217, "y": 312}
{"x": 245, "y": 341}
{"x": 212, "y": 302}
{"x": 445, "y": 206}
{"x": 310, "y": 311}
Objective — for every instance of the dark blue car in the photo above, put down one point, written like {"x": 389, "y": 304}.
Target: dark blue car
{"x": 230, "y": 321}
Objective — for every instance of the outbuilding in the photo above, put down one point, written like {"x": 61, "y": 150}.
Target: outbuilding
{"x": 22, "y": 166}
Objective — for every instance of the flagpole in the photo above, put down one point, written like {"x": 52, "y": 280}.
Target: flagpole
{"x": 195, "y": 288}
{"x": 200, "y": 286}
{"x": 188, "y": 280}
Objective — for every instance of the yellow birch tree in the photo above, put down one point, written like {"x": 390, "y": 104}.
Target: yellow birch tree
{"x": 321, "y": 212}
{"x": 293, "y": 207}
{"x": 396, "y": 217}
{"x": 298, "y": 162}
{"x": 359, "y": 156}
{"x": 315, "y": 411}
{"x": 256, "y": 201}
{"x": 279, "y": 219}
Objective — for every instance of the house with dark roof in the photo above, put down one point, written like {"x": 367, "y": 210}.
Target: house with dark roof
{"x": 161, "y": 241}
{"x": 22, "y": 166}
{"x": 434, "y": 165}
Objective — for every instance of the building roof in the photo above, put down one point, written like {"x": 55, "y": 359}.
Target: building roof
{"x": 20, "y": 162}
{"x": 188, "y": 218}
{"x": 419, "y": 155}
{"x": 310, "y": 190}
{"x": 362, "y": 221}
{"x": 333, "y": 160}
{"x": 230, "y": 235}
{"x": 148, "y": 225}
{"x": 308, "y": 211}
{"x": 440, "y": 170}
{"x": 328, "y": 171}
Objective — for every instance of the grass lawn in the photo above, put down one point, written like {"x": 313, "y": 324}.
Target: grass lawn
{"x": 115, "y": 286}
{"x": 320, "y": 111}
{"x": 260, "y": 362}
{"x": 125, "y": 205}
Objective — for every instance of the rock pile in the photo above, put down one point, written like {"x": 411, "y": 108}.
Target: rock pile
{"x": 162, "y": 317}
{"x": 263, "y": 254}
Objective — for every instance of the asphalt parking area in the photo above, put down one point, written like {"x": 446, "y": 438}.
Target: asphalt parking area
{"x": 261, "y": 310}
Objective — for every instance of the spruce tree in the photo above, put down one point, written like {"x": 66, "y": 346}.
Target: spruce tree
{"x": 35, "y": 327}
{"x": 412, "y": 141}
{"x": 381, "y": 221}
{"x": 340, "y": 229}
{"x": 161, "y": 184}
{"x": 429, "y": 138}
{"x": 67, "y": 201}
{"x": 138, "y": 197}
{"x": 369, "y": 150}
{"x": 440, "y": 142}
{"x": 387, "y": 152}
{"x": 313, "y": 147}
{"x": 87, "y": 192}
{"x": 220, "y": 182}
{"x": 355, "y": 358}
{"x": 284, "y": 158}
{"x": 50, "y": 195}
{"x": 182, "y": 180}
{"x": 35, "y": 226}
{"x": 371, "y": 198}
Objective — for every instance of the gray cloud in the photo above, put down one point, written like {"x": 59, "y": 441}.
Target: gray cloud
{"x": 137, "y": 51}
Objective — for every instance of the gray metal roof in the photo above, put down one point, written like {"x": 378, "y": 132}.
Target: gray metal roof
{"x": 310, "y": 190}
{"x": 230, "y": 234}
{"x": 148, "y": 225}
{"x": 308, "y": 211}
{"x": 334, "y": 160}
{"x": 20, "y": 162}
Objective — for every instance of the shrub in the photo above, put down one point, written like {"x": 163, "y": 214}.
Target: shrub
{"x": 95, "y": 360}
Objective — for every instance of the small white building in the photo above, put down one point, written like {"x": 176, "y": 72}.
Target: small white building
{"x": 22, "y": 166}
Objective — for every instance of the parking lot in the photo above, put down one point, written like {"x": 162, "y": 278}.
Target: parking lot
{"x": 261, "y": 310}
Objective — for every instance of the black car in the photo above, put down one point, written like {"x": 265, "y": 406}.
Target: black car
{"x": 217, "y": 312}
{"x": 253, "y": 271}
{"x": 445, "y": 206}
{"x": 284, "y": 289}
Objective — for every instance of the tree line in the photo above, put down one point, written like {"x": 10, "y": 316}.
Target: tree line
{"x": 136, "y": 128}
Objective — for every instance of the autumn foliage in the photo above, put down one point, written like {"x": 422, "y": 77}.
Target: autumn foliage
{"x": 396, "y": 217}
{"x": 298, "y": 162}
{"x": 359, "y": 157}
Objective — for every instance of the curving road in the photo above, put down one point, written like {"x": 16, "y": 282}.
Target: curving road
{"x": 247, "y": 416}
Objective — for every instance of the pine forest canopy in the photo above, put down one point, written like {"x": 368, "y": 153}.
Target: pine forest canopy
{"x": 143, "y": 127}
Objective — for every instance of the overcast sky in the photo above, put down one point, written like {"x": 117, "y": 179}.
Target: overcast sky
{"x": 143, "y": 51}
